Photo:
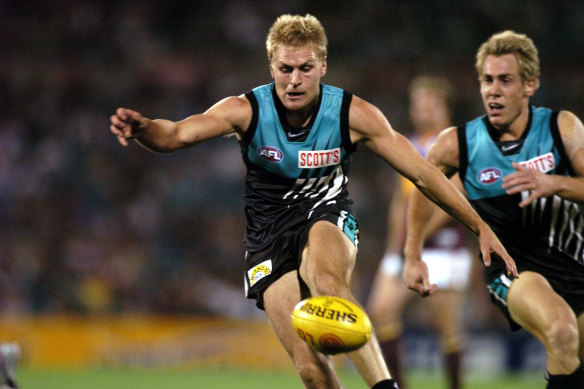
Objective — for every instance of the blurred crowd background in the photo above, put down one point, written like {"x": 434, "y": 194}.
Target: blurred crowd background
{"x": 87, "y": 226}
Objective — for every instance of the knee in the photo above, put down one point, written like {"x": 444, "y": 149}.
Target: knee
{"x": 452, "y": 342}
{"x": 330, "y": 285}
{"x": 562, "y": 335}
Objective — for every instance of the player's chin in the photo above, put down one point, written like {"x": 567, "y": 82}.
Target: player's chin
{"x": 497, "y": 120}
{"x": 294, "y": 104}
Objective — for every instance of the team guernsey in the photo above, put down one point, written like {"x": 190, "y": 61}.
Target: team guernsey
{"x": 545, "y": 236}
{"x": 294, "y": 174}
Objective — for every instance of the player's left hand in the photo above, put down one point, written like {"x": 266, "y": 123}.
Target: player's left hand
{"x": 537, "y": 183}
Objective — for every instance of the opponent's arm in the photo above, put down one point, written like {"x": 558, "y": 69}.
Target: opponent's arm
{"x": 228, "y": 116}
{"x": 542, "y": 185}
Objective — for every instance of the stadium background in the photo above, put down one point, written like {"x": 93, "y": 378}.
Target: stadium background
{"x": 114, "y": 255}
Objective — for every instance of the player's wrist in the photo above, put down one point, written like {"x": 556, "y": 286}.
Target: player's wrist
{"x": 412, "y": 255}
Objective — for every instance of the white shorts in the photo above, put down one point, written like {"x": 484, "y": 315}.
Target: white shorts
{"x": 448, "y": 269}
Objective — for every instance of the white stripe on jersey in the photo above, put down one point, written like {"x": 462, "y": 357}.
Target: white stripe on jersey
{"x": 333, "y": 188}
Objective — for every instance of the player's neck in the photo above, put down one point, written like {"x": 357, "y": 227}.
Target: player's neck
{"x": 301, "y": 117}
{"x": 516, "y": 128}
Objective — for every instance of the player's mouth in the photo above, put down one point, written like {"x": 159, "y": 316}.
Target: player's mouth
{"x": 495, "y": 108}
{"x": 294, "y": 95}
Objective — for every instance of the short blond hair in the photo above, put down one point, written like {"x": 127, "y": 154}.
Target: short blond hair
{"x": 296, "y": 30}
{"x": 510, "y": 42}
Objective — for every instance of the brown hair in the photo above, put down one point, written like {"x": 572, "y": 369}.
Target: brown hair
{"x": 438, "y": 85}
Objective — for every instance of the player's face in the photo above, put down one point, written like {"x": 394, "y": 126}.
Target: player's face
{"x": 297, "y": 72}
{"x": 505, "y": 95}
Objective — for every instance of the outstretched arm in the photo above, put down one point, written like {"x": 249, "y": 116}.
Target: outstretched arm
{"x": 543, "y": 185}
{"x": 230, "y": 115}
{"x": 369, "y": 125}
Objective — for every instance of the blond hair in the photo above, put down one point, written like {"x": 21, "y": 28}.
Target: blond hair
{"x": 296, "y": 31}
{"x": 510, "y": 42}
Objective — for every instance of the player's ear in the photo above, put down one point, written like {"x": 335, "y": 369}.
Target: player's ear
{"x": 272, "y": 72}
{"x": 530, "y": 87}
{"x": 323, "y": 67}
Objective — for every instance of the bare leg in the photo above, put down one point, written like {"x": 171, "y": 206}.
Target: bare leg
{"x": 447, "y": 306}
{"x": 327, "y": 266}
{"x": 543, "y": 313}
{"x": 314, "y": 369}
{"x": 385, "y": 307}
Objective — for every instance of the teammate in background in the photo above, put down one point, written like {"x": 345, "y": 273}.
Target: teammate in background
{"x": 522, "y": 168}
{"x": 448, "y": 259}
{"x": 296, "y": 136}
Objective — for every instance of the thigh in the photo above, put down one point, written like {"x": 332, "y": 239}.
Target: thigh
{"x": 533, "y": 304}
{"x": 581, "y": 336}
{"x": 328, "y": 259}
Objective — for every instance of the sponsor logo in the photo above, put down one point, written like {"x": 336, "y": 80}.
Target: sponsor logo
{"x": 259, "y": 271}
{"x": 544, "y": 163}
{"x": 506, "y": 148}
{"x": 489, "y": 175}
{"x": 319, "y": 158}
{"x": 329, "y": 314}
{"x": 271, "y": 153}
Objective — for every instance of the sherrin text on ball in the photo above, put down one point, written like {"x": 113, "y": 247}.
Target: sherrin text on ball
{"x": 331, "y": 324}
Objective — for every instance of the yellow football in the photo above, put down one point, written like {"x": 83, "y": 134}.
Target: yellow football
{"x": 331, "y": 324}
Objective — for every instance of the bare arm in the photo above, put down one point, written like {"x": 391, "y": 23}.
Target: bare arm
{"x": 230, "y": 115}
{"x": 396, "y": 218}
{"x": 542, "y": 185}
{"x": 369, "y": 126}
{"x": 444, "y": 155}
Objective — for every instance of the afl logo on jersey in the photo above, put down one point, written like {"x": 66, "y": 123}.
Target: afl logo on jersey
{"x": 489, "y": 175}
{"x": 271, "y": 153}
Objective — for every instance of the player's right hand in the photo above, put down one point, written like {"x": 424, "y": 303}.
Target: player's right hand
{"x": 125, "y": 124}
{"x": 416, "y": 277}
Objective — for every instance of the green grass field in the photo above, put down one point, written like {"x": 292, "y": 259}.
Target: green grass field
{"x": 217, "y": 378}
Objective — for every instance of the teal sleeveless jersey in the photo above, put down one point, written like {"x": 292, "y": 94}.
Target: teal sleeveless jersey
{"x": 547, "y": 234}
{"x": 289, "y": 177}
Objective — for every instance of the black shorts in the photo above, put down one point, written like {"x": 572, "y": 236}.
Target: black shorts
{"x": 285, "y": 253}
{"x": 498, "y": 283}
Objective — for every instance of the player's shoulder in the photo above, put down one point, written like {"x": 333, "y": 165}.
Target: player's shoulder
{"x": 360, "y": 110}
{"x": 237, "y": 110}
{"x": 445, "y": 151}
{"x": 568, "y": 120}
{"x": 448, "y": 138}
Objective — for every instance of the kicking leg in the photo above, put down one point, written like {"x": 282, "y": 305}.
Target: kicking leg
{"x": 326, "y": 267}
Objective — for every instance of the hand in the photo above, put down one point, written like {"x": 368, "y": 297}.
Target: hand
{"x": 125, "y": 124}
{"x": 416, "y": 277}
{"x": 489, "y": 243}
{"x": 537, "y": 183}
